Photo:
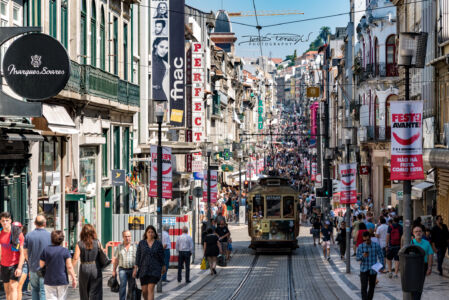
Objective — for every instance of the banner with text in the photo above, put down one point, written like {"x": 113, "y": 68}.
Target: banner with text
{"x": 197, "y": 92}
{"x": 213, "y": 186}
{"x": 348, "y": 187}
{"x": 406, "y": 140}
{"x": 167, "y": 178}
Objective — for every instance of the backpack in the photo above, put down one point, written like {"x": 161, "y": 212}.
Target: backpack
{"x": 395, "y": 236}
{"x": 14, "y": 237}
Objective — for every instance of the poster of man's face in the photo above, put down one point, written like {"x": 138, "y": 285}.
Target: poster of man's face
{"x": 160, "y": 27}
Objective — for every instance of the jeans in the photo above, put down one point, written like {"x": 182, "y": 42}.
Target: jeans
{"x": 368, "y": 279}
{"x": 184, "y": 257}
{"x": 166, "y": 262}
{"x": 37, "y": 286}
{"x": 440, "y": 258}
{"x": 126, "y": 276}
{"x": 133, "y": 199}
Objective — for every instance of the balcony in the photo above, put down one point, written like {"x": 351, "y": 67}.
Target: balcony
{"x": 85, "y": 79}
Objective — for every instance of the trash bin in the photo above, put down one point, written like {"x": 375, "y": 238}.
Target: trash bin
{"x": 411, "y": 262}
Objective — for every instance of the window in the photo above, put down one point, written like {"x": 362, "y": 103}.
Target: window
{"x": 387, "y": 115}
{"x": 376, "y": 57}
{"x": 273, "y": 206}
{"x": 125, "y": 51}
{"x": 83, "y": 33}
{"x": 390, "y": 54}
{"x": 104, "y": 154}
{"x": 258, "y": 206}
{"x": 116, "y": 147}
{"x": 64, "y": 23}
{"x": 49, "y": 177}
{"x": 4, "y": 8}
{"x": 93, "y": 35}
{"x": 289, "y": 207}
{"x": 52, "y": 19}
{"x": 102, "y": 43}
{"x": 115, "y": 45}
{"x": 15, "y": 13}
{"x": 26, "y": 13}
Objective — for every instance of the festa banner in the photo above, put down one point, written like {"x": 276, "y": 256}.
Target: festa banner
{"x": 167, "y": 177}
{"x": 213, "y": 186}
{"x": 348, "y": 186}
{"x": 314, "y": 166}
{"x": 406, "y": 140}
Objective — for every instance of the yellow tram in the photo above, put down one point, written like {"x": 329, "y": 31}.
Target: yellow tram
{"x": 273, "y": 215}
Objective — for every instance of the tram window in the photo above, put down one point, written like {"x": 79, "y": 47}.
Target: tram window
{"x": 289, "y": 209}
{"x": 258, "y": 206}
{"x": 273, "y": 206}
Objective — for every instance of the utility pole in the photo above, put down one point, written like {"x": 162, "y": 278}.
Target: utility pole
{"x": 159, "y": 116}
{"x": 407, "y": 184}
{"x": 348, "y": 221}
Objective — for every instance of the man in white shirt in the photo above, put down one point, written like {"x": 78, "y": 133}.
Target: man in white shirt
{"x": 167, "y": 246}
{"x": 381, "y": 234}
{"x": 184, "y": 246}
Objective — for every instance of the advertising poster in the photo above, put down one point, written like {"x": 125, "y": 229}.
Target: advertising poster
{"x": 406, "y": 140}
{"x": 167, "y": 178}
{"x": 348, "y": 184}
{"x": 213, "y": 186}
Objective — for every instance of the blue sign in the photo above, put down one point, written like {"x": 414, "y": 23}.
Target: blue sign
{"x": 118, "y": 177}
{"x": 198, "y": 175}
{"x": 170, "y": 221}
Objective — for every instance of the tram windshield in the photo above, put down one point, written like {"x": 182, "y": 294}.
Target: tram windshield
{"x": 273, "y": 206}
{"x": 258, "y": 207}
{"x": 288, "y": 211}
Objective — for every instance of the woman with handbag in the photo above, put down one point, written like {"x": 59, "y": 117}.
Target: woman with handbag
{"x": 57, "y": 263}
{"x": 150, "y": 263}
{"x": 88, "y": 250}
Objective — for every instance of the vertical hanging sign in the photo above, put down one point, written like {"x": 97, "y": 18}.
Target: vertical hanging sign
{"x": 197, "y": 92}
{"x": 406, "y": 140}
{"x": 213, "y": 186}
{"x": 348, "y": 187}
{"x": 167, "y": 178}
{"x": 314, "y": 166}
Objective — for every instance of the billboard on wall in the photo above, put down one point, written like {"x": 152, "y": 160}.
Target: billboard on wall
{"x": 167, "y": 172}
{"x": 406, "y": 140}
{"x": 348, "y": 186}
{"x": 197, "y": 92}
{"x": 167, "y": 54}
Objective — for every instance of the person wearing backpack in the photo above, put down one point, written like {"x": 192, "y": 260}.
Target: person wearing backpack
{"x": 12, "y": 256}
{"x": 394, "y": 235}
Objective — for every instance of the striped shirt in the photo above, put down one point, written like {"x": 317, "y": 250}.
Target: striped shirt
{"x": 374, "y": 255}
{"x": 126, "y": 258}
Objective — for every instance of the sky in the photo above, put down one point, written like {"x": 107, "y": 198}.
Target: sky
{"x": 308, "y": 29}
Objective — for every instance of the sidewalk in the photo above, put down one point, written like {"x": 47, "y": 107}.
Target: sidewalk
{"x": 435, "y": 286}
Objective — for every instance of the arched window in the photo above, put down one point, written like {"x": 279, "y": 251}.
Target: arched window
{"x": 376, "y": 57}
{"x": 102, "y": 43}
{"x": 93, "y": 35}
{"x": 83, "y": 33}
{"x": 387, "y": 116}
{"x": 125, "y": 51}
{"x": 52, "y": 18}
{"x": 363, "y": 53}
{"x": 64, "y": 23}
{"x": 390, "y": 54}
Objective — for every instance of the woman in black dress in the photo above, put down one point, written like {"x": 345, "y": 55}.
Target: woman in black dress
{"x": 212, "y": 248}
{"x": 149, "y": 262}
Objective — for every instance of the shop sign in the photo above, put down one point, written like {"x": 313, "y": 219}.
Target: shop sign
{"x": 406, "y": 140}
{"x": 227, "y": 168}
{"x": 213, "y": 186}
{"x": 197, "y": 163}
{"x": 167, "y": 178}
{"x": 226, "y": 154}
{"x": 136, "y": 223}
{"x": 118, "y": 177}
{"x": 36, "y": 66}
{"x": 189, "y": 162}
{"x": 364, "y": 170}
{"x": 313, "y": 92}
{"x": 348, "y": 186}
{"x": 197, "y": 92}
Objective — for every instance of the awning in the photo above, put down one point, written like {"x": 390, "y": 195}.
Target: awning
{"x": 58, "y": 119}
{"x": 18, "y": 137}
{"x": 236, "y": 174}
{"x": 420, "y": 188}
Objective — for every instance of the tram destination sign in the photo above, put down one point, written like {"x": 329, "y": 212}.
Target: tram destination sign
{"x": 36, "y": 66}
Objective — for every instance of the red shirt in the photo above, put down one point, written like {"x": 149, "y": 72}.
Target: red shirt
{"x": 360, "y": 237}
{"x": 9, "y": 258}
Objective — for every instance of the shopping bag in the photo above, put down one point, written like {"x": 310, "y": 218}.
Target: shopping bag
{"x": 203, "y": 264}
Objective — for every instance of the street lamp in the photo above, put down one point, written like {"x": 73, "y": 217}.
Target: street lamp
{"x": 159, "y": 119}
{"x": 209, "y": 152}
{"x": 412, "y": 54}
{"x": 240, "y": 156}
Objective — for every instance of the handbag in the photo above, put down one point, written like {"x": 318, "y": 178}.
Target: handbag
{"x": 41, "y": 271}
{"x": 203, "y": 264}
{"x": 339, "y": 238}
{"x": 113, "y": 284}
{"x": 102, "y": 259}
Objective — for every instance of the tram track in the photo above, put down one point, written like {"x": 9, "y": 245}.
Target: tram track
{"x": 291, "y": 283}
{"x": 245, "y": 278}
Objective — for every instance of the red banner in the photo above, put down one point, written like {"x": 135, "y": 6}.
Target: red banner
{"x": 348, "y": 184}
{"x": 406, "y": 140}
{"x": 313, "y": 177}
{"x": 167, "y": 179}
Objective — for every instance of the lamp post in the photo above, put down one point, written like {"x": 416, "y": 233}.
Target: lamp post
{"x": 348, "y": 221}
{"x": 159, "y": 119}
{"x": 209, "y": 152}
{"x": 240, "y": 156}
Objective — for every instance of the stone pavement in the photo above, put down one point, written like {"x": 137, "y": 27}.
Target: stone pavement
{"x": 435, "y": 287}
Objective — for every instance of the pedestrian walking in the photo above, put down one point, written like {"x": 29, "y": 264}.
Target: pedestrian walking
{"x": 90, "y": 273}
{"x": 35, "y": 242}
{"x": 57, "y": 262}
{"x": 316, "y": 229}
{"x": 167, "y": 247}
{"x": 341, "y": 239}
{"x": 125, "y": 259}
{"x": 12, "y": 255}
{"x": 368, "y": 253}
{"x": 327, "y": 235}
{"x": 425, "y": 245}
{"x": 355, "y": 228}
{"x": 381, "y": 234}
{"x": 440, "y": 241}
{"x": 223, "y": 235}
{"x": 25, "y": 269}
{"x": 212, "y": 247}
{"x": 184, "y": 246}
{"x": 149, "y": 262}
{"x": 362, "y": 229}
{"x": 393, "y": 245}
